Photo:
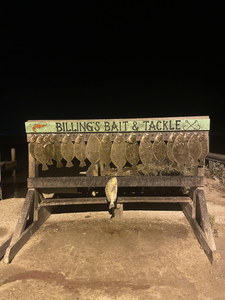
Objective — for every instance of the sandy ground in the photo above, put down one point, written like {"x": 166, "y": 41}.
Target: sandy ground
{"x": 147, "y": 255}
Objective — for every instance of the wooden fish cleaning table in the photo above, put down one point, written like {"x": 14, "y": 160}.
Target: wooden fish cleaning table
{"x": 166, "y": 153}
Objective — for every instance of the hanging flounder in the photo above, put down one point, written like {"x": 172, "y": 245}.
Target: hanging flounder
{"x": 180, "y": 151}
{"x": 92, "y": 150}
{"x": 105, "y": 150}
{"x": 194, "y": 147}
{"x": 170, "y": 144}
{"x": 67, "y": 150}
{"x": 118, "y": 153}
{"x": 159, "y": 148}
{"x": 79, "y": 150}
{"x": 132, "y": 153}
{"x": 188, "y": 159}
{"x": 32, "y": 145}
{"x": 38, "y": 153}
{"x": 205, "y": 150}
{"x": 48, "y": 149}
{"x": 111, "y": 192}
{"x": 58, "y": 155}
{"x": 145, "y": 150}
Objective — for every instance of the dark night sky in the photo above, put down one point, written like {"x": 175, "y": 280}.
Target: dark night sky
{"x": 110, "y": 59}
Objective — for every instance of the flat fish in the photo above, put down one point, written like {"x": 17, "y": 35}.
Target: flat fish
{"x": 48, "y": 149}
{"x": 188, "y": 159}
{"x": 132, "y": 151}
{"x": 67, "y": 150}
{"x": 118, "y": 153}
{"x": 92, "y": 150}
{"x": 105, "y": 150}
{"x": 38, "y": 153}
{"x": 111, "y": 192}
{"x": 195, "y": 148}
{"x": 180, "y": 151}
{"x": 79, "y": 150}
{"x": 145, "y": 150}
{"x": 159, "y": 148}
{"x": 58, "y": 155}
{"x": 170, "y": 144}
{"x": 32, "y": 145}
{"x": 205, "y": 150}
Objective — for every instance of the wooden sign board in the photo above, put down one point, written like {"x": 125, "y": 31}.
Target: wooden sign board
{"x": 119, "y": 125}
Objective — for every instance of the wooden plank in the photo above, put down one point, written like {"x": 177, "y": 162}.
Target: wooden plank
{"x": 205, "y": 224}
{"x": 5, "y": 245}
{"x": 28, "y": 202}
{"x": 33, "y": 167}
{"x": 209, "y": 249}
{"x": 120, "y": 200}
{"x": 123, "y": 181}
{"x": 118, "y": 125}
{"x": 14, "y": 248}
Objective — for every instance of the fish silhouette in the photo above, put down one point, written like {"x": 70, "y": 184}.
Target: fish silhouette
{"x": 170, "y": 144}
{"x": 79, "y": 150}
{"x": 118, "y": 153}
{"x": 38, "y": 153}
{"x": 145, "y": 150}
{"x": 205, "y": 150}
{"x": 67, "y": 150}
{"x": 105, "y": 150}
{"x": 132, "y": 151}
{"x": 32, "y": 145}
{"x": 159, "y": 148}
{"x": 58, "y": 155}
{"x": 92, "y": 150}
{"x": 195, "y": 148}
{"x": 48, "y": 149}
{"x": 180, "y": 151}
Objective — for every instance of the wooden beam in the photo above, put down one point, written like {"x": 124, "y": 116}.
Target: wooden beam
{"x": 5, "y": 245}
{"x": 205, "y": 224}
{"x": 123, "y": 181}
{"x": 14, "y": 248}
{"x": 120, "y": 200}
{"x": 21, "y": 224}
{"x": 207, "y": 243}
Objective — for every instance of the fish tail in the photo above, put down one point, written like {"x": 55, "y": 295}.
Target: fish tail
{"x": 111, "y": 205}
{"x": 49, "y": 162}
{"x": 69, "y": 164}
{"x": 82, "y": 164}
{"x": 44, "y": 167}
{"x": 59, "y": 164}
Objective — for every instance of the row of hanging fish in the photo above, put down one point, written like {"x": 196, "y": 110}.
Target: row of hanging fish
{"x": 182, "y": 150}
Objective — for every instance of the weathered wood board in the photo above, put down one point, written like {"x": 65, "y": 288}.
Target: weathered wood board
{"x": 175, "y": 159}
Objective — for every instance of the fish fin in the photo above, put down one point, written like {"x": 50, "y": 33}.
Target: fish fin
{"x": 44, "y": 167}
{"x": 69, "y": 164}
{"x": 111, "y": 205}
{"x": 59, "y": 164}
{"x": 82, "y": 164}
{"x": 49, "y": 162}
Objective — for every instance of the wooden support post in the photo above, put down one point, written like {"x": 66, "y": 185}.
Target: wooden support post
{"x": 118, "y": 212}
{"x": 5, "y": 245}
{"x": 13, "y": 158}
{"x": 22, "y": 234}
{"x": 0, "y": 180}
{"x": 199, "y": 220}
{"x": 204, "y": 223}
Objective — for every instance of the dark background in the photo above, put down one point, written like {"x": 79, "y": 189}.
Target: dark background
{"x": 111, "y": 59}
{"x": 107, "y": 59}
